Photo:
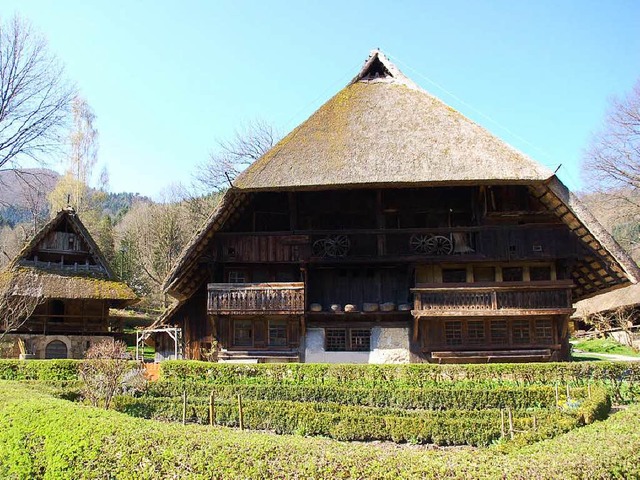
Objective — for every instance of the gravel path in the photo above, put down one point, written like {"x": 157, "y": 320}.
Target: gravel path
{"x": 609, "y": 356}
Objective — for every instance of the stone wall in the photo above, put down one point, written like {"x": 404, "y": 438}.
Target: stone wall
{"x": 388, "y": 345}
{"x": 76, "y": 345}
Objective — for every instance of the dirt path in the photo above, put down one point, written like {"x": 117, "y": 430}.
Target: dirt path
{"x": 609, "y": 356}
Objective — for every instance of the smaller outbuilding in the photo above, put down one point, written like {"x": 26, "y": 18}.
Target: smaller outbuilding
{"x": 75, "y": 286}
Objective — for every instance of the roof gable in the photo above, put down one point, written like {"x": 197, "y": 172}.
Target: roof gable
{"x": 64, "y": 244}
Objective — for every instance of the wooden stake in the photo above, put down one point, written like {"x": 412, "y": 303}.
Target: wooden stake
{"x": 241, "y": 415}
{"x": 557, "y": 397}
{"x": 535, "y": 423}
{"x": 510, "y": 423}
{"x": 568, "y": 396}
{"x": 502, "y": 434}
{"x": 589, "y": 390}
{"x": 212, "y": 412}
{"x": 184, "y": 407}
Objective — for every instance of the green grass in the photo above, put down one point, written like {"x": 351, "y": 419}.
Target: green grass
{"x": 605, "y": 345}
{"x": 45, "y": 437}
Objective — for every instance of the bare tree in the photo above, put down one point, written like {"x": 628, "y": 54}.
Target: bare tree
{"x": 20, "y": 294}
{"x": 107, "y": 372}
{"x": 34, "y": 96}
{"x": 232, "y": 156}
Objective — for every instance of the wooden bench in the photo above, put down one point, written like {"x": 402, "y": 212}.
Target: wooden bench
{"x": 493, "y": 356}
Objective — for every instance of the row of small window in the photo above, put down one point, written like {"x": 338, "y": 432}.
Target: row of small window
{"x": 488, "y": 274}
{"x": 498, "y": 332}
{"x": 347, "y": 339}
{"x": 243, "y": 333}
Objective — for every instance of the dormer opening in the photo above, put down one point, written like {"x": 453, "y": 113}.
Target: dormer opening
{"x": 376, "y": 70}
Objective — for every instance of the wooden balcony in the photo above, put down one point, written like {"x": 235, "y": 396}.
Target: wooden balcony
{"x": 253, "y": 298}
{"x": 532, "y": 298}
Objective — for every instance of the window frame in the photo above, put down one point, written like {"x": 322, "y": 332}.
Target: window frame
{"x": 352, "y": 339}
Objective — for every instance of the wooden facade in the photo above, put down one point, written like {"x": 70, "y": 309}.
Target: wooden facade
{"x": 388, "y": 221}
{"x": 77, "y": 287}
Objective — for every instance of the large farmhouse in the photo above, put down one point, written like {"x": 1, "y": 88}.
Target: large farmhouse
{"x": 388, "y": 227}
{"x": 63, "y": 266}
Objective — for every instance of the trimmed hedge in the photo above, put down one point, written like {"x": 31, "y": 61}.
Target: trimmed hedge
{"x": 621, "y": 378}
{"x": 44, "y": 437}
{"x": 407, "y": 375}
{"x": 448, "y": 427}
{"x": 445, "y": 396}
{"x": 39, "y": 369}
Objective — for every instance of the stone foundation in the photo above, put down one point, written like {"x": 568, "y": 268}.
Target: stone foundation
{"x": 388, "y": 345}
{"x": 76, "y": 345}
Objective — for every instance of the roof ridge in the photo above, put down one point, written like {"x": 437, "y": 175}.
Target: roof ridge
{"x": 376, "y": 59}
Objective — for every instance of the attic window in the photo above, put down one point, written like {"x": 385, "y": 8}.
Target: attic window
{"x": 376, "y": 70}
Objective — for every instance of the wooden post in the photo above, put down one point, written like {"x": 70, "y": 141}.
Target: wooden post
{"x": 589, "y": 390}
{"x": 502, "y": 433}
{"x": 212, "y": 412}
{"x": 184, "y": 407}
{"x": 568, "y": 396}
{"x": 240, "y": 413}
{"x": 535, "y": 423}
{"x": 557, "y": 397}
{"x": 510, "y": 423}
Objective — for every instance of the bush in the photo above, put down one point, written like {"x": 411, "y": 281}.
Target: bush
{"x": 43, "y": 437}
{"x": 39, "y": 369}
{"x": 466, "y": 395}
{"x": 347, "y": 422}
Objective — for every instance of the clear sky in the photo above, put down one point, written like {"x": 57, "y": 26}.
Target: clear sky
{"x": 167, "y": 79}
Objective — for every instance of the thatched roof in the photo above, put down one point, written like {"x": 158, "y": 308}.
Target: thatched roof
{"x": 383, "y": 129}
{"x": 67, "y": 286}
{"x": 606, "y": 302}
{"x": 94, "y": 281}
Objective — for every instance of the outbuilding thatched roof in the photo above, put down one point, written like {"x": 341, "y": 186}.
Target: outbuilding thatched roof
{"x": 610, "y": 301}
{"x": 383, "y": 129}
{"x": 92, "y": 279}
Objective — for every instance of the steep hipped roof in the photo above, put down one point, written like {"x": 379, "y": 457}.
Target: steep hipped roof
{"x": 383, "y": 129}
{"x": 92, "y": 279}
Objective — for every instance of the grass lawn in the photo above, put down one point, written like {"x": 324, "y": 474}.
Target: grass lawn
{"x": 604, "y": 345}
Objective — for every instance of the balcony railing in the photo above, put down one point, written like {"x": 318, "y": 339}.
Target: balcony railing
{"x": 248, "y": 298}
{"x": 492, "y": 300}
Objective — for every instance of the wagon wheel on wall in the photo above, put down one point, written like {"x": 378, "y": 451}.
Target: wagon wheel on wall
{"x": 439, "y": 245}
{"x": 338, "y": 246}
{"x": 319, "y": 248}
{"x": 419, "y": 243}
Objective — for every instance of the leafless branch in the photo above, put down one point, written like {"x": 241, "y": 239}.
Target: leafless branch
{"x": 20, "y": 294}
{"x": 34, "y": 96}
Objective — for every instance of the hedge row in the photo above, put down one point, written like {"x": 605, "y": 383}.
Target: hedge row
{"x": 348, "y": 423}
{"x": 43, "y": 437}
{"x": 407, "y": 375}
{"x": 39, "y": 370}
{"x": 441, "y": 397}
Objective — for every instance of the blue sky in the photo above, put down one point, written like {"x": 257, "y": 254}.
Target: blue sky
{"x": 168, "y": 79}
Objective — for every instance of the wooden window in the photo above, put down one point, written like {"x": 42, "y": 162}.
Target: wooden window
{"x": 499, "y": 332}
{"x": 345, "y": 339}
{"x": 538, "y": 274}
{"x": 56, "y": 311}
{"x": 520, "y": 332}
{"x": 544, "y": 330}
{"x": 335, "y": 339}
{"x": 484, "y": 274}
{"x": 454, "y": 275}
{"x": 453, "y": 333}
{"x": 277, "y": 333}
{"x": 242, "y": 333}
{"x": 360, "y": 339}
{"x": 237, "y": 276}
{"x": 511, "y": 274}
{"x": 475, "y": 332}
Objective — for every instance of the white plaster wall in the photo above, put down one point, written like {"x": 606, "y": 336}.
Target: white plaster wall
{"x": 76, "y": 344}
{"x": 388, "y": 345}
